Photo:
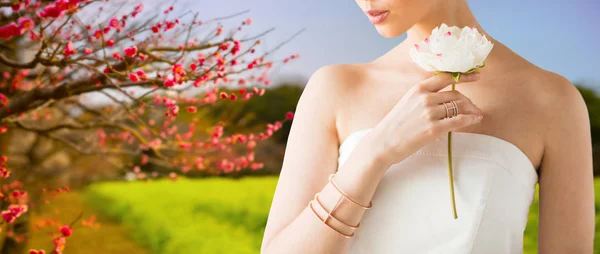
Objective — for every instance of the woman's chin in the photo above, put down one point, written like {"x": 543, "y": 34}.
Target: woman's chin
{"x": 387, "y": 31}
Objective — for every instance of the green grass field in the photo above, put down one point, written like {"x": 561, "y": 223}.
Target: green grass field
{"x": 190, "y": 216}
{"x": 209, "y": 216}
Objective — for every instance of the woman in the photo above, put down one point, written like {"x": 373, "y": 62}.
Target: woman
{"x": 368, "y": 146}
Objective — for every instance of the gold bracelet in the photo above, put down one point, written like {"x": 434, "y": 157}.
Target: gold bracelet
{"x": 346, "y": 196}
{"x": 316, "y": 214}
{"x": 330, "y": 212}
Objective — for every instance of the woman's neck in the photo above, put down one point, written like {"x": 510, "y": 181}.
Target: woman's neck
{"x": 451, "y": 12}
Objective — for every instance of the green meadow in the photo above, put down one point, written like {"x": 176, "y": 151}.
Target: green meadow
{"x": 190, "y": 216}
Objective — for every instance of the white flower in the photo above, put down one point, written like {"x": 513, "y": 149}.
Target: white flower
{"x": 452, "y": 49}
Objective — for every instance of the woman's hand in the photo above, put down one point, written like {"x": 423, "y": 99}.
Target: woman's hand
{"x": 420, "y": 117}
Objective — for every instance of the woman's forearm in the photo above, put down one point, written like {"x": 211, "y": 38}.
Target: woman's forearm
{"x": 358, "y": 178}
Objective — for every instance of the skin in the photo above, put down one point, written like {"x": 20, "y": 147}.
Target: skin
{"x": 539, "y": 111}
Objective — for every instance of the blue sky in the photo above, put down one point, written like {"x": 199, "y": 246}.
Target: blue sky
{"x": 558, "y": 35}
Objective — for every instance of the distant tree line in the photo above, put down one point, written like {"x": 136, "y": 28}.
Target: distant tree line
{"x": 593, "y": 104}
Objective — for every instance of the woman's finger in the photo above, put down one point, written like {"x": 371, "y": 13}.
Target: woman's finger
{"x": 453, "y": 123}
{"x": 444, "y": 79}
{"x": 433, "y": 99}
{"x": 464, "y": 107}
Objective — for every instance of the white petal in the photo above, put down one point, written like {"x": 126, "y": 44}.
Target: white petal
{"x": 464, "y": 50}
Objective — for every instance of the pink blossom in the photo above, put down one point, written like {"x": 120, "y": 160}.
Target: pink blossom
{"x": 289, "y": 115}
{"x": 131, "y": 51}
{"x": 144, "y": 159}
{"x": 139, "y": 8}
{"x": 175, "y": 110}
{"x": 178, "y": 70}
{"x": 26, "y": 23}
{"x": 155, "y": 143}
{"x": 10, "y": 30}
{"x": 66, "y": 231}
{"x": 51, "y": 11}
{"x": 114, "y": 23}
{"x": 69, "y": 49}
{"x": 98, "y": 34}
{"x": 117, "y": 56}
{"x": 142, "y": 75}
{"x": 169, "y": 83}
{"x": 59, "y": 245}
{"x": 133, "y": 77}
{"x": 3, "y": 100}
{"x": 13, "y": 212}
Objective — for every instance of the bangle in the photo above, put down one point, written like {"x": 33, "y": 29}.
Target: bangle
{"x": 345, "y": 195}
{"x": 316, "y": 214}
{"x": 330, "y": 212}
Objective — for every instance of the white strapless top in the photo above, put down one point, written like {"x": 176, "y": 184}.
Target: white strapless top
{"x": 494, "y": 185}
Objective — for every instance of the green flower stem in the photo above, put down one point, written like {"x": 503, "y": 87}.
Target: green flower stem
{"x": 450, "y": 164}
{"x": 456, "y": 76}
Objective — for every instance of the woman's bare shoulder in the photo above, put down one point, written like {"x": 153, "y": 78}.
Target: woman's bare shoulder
{"x": 545, "y": 90}
{"x": 554, "y": 91}
{"x": 335, "y": 82}
{"x": 559, "y": 103}
{"x": 329, "y": 89}
{"x": 338, "y": 76}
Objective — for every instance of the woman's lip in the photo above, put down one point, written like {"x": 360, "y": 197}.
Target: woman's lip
{"x": 374, "y": 12}
{"x": 376, "y": 16}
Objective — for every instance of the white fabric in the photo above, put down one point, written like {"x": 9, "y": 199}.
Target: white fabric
{"x": 494, "y": 185}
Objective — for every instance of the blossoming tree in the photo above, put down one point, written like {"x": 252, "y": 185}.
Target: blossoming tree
{"x": 60, "y": 59}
